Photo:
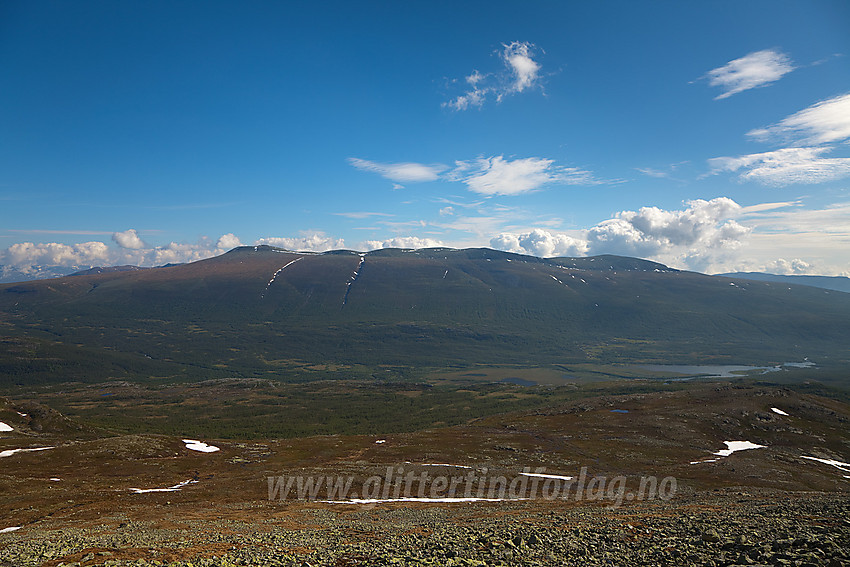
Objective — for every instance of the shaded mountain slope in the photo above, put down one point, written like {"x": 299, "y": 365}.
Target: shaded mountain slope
{"x": 242, "y": 311}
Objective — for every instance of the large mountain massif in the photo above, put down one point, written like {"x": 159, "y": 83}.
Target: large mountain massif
{"x": 254, "y": 310}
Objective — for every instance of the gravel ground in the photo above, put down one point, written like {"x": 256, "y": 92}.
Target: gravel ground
{"x": 717, "y": 528}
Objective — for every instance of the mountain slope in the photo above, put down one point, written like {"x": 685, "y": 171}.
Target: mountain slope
{"x": 835, "y": 283}
{"x": 254, "y": 310}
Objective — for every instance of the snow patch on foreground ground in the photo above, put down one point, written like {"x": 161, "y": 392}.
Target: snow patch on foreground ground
{"x": 437, "y": 465}
{"x": 12, "y": 529}
{"x": 392, "y": 500}
{"x": 4, "y": 427}
{"x": 541, "y": 475}
{"x": 10, "y": 452}
{"x": 174, "y": 488}
{"x": 843, "y": 467}
{"x": 778, "y": 411}
{"x": 194, "y": 445}
{"x": 731, "y": 447}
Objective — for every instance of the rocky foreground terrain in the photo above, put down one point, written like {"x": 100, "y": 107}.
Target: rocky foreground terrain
{"x": 721, "y": 527}
{"x": 73, "y": 496}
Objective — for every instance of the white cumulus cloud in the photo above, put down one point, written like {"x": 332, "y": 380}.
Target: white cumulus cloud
{"x": 539, "y": 242}
{"x": 757, "y": 69}
{"x": 308, "y": 242}
{"x": 825, "y": 122}
{"x": 401, "y": 242}
{"x": 407, "y": 172}
{"x": 785, "y": 166}
{"x": 228, "y": 242}
{"x": 692, "y": 237}
{"x": 649, "y": 231}
{"x": 788, "y": 267}
{"x": 25, "y": 255}
{"x": 31, "y": 258}
{"x": 128, "y": 239}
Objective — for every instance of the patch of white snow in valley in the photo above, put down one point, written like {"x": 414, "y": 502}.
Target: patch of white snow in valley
{"x": 541, "y": 475}
{"x": 731, "y": 447}
{"x": 194, "y": 445}
{"x": 174, "y": 488}
{"x": 55, "y": 480}
{"x": 4, "y": 427}
{"x": 8, "y": 530}
{"x": 777, "y": 410}
{"x": 843, "y": 467}
{"x": 10, "y": 452}
{"x": 380, "y": 441}
{"x": 21, "y": 414}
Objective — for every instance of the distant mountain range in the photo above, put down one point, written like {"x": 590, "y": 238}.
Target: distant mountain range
{"x": 10, "y": 274}
{"x": 835, "y": 283}
{"x": 261, "y": 311}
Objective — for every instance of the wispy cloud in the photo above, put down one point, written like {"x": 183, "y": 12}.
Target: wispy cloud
{"x": 499, "y": 176}
{"x": 405, "y": 172}
{"x": 361, "y": 215}
{"x": 825, "y": 122}
{"x": 762, "y": 207}
{"x": 488, "y": 176}
{"x": 458, "y": 202}
{"x": 817, "y": 237}
{"x": 832, "y": 220}
{"x": 520, "y": 73}
{"x": 653, "y": 172}
{"x": 524, "y": 70}
{"x": 403, "y": 226}
{"x": 666, "y": 173}
{"x": 192, "y": 206}
{"x": 785, "y": 167}
{"x": 46, "y": 231}
{"x": 493, "y": 218}
{"x": 757, "y": 69}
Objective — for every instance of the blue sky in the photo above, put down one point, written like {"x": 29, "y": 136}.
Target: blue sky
{"x": 711, "y": 136}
